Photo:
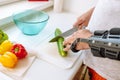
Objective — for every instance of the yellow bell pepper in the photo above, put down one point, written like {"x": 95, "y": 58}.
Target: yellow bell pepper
{"x": 12, "y": 55}
{"x": 8, "y": 59}
{"x": 5, "y": 46}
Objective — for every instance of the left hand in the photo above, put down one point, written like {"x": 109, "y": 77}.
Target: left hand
{"x": 82, "y": 33}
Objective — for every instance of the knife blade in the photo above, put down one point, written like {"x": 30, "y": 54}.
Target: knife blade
{"x": 65, "y": 34}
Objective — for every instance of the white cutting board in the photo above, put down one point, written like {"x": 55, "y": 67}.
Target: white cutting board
{"x": 49, "y": 52}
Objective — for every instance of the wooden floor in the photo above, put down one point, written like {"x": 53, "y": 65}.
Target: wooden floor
{"x": 82, "y": 73}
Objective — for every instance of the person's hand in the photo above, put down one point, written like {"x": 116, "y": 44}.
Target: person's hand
{"x": 82, "y": 33}
{"x": 83, "y": 20}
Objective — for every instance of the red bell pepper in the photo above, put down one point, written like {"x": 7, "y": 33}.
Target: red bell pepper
{"x": 19, "y": 51}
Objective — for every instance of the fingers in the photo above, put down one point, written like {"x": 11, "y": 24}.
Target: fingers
{"x": 67, "y": 47}
{"x": 79, "y": 23}
{"x": 67, "y": 42}
{"x": 84, "y": 33}
{"x": 79, "y": 46}
{"x": 82, "y": 46}
{"x": 79, "y": 34}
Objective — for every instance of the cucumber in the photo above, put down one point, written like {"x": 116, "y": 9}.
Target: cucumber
{"x": 60, "y": 43}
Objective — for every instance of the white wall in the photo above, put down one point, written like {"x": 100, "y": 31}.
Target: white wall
{"x": 78, "y": 6}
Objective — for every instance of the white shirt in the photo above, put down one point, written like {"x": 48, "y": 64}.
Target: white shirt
{"x": 105, "y": 16}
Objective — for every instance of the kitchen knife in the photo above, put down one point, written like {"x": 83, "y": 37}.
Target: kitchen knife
{"x": 65, "y": 34}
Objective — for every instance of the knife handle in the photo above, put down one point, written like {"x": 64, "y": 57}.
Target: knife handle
{"x": 73, "y": 46}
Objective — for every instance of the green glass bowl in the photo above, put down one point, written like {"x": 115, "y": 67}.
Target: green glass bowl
{"x": 31, "y": 22}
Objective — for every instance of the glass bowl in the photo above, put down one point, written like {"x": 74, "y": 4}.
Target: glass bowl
{"x": 31, "y": 22}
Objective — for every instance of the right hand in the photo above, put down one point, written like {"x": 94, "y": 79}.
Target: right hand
{"x": 83, "y": 20}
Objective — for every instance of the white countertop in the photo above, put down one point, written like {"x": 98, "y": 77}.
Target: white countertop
{"x": 41, "y": 69}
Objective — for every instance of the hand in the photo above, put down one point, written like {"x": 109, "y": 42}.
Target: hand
{"x": 83, "y": 20}
{"x": 82, "y": 33}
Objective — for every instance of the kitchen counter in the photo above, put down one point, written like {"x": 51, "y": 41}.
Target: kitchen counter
{"x": 41, "y": 69}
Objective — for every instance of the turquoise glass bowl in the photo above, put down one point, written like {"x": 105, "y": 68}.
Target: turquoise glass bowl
{"x": 31, "y": 22}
